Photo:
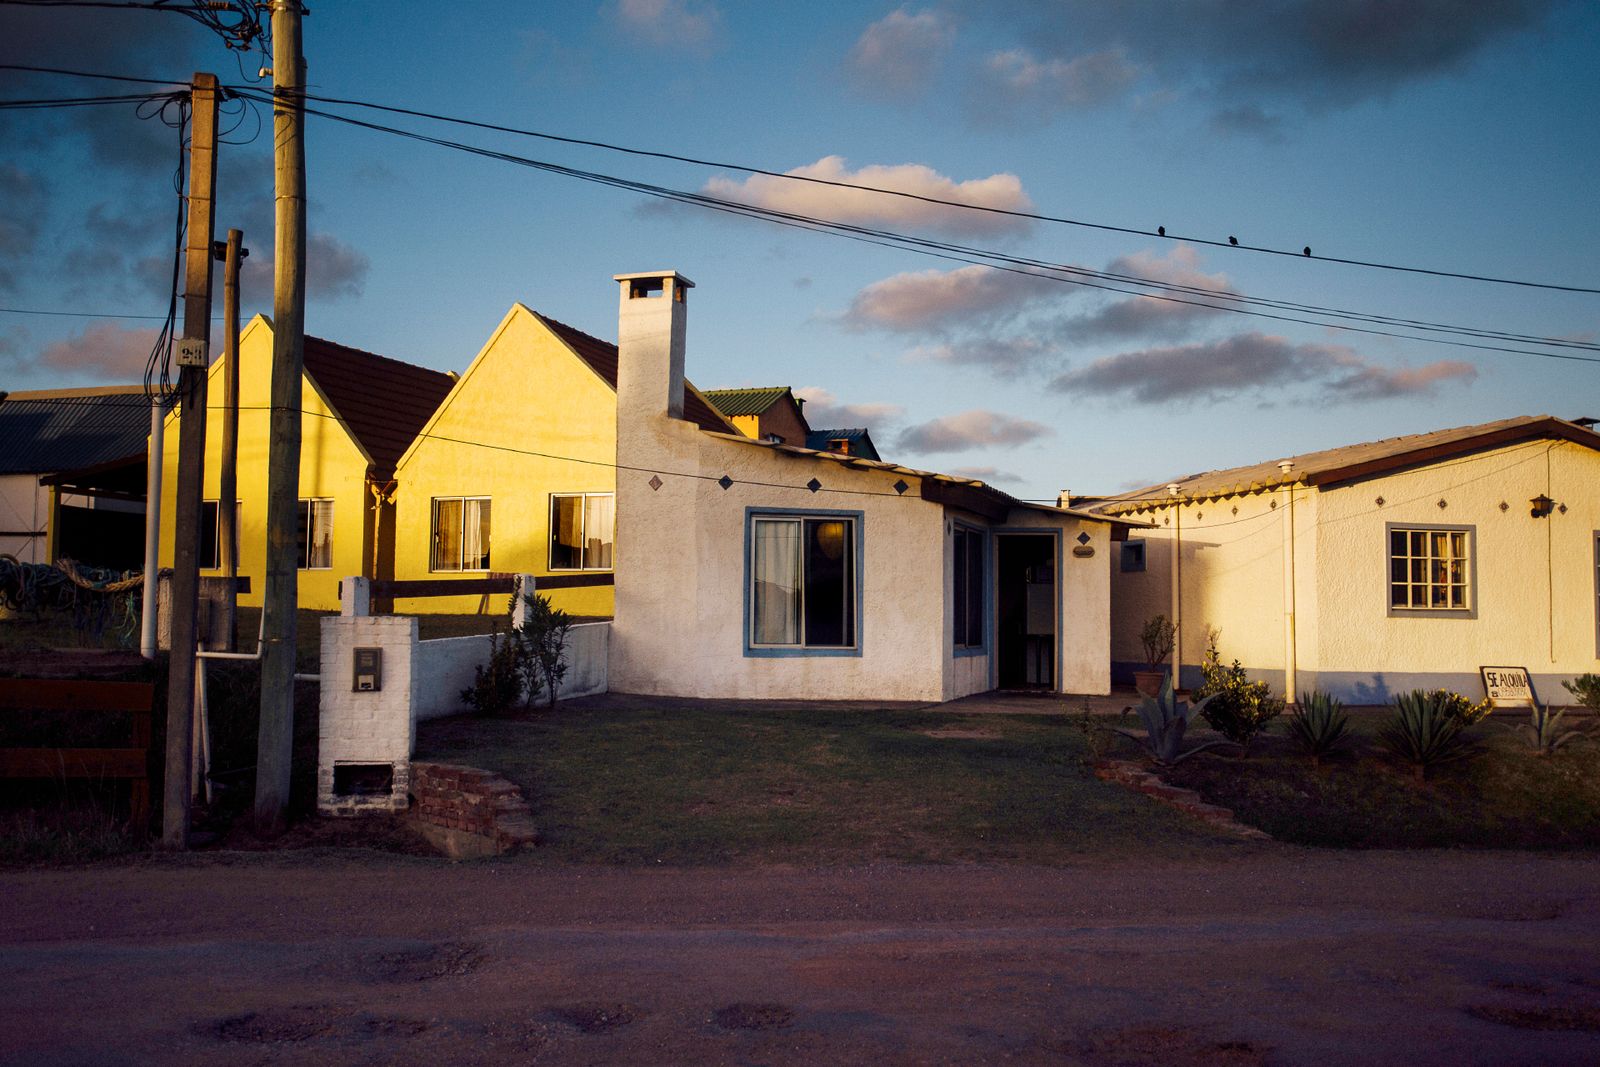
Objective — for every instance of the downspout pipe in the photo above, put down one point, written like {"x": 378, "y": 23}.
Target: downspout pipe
{"x": 1290, "y": 662}
{"x": 152, "y": 526}
{"x": 1177, "y": 586}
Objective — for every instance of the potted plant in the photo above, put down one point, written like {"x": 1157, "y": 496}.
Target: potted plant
{"x": 1156, "y": 636}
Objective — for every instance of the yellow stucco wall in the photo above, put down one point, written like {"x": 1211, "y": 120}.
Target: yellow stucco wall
{"x": 331, "y": 466}
{"x": 542, "y": 423}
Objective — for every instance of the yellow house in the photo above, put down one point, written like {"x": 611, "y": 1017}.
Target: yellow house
{"x": 514, "y": 473}
{"x": 359, "y": 412}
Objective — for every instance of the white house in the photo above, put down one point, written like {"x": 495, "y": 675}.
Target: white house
{"x": 1378, "y": 568}
{"x": 754, "y": 568}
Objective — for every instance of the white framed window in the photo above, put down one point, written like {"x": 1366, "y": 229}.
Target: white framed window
{"x": 209, "y": 552}
{"x": 804, "y": 583}
{"x": 460, "y": 533}
{"x": 1431, "y": 570}
{"x": 967, "y": 586}
{"x": 582, "y": 531}
{"x": 316, "y": 534}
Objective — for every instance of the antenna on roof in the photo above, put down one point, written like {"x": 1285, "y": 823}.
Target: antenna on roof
{"x": 1587, "y": 422}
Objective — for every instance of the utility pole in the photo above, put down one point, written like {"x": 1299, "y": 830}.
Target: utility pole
{"x": 228, "y": 496}
{"x": 275, "y": 741}
{"x": 192, "y": 359}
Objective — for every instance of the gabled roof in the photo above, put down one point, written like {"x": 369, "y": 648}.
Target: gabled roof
{"x": 860, "y": 441}
{"x": 732, "y": 402}
{"x": 47, "y": 430}
{"x": 1352, "y": 463}
{"x": 385, "y": 403}
{"x": 601, "y": 356}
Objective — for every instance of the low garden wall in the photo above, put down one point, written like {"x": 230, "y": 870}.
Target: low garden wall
{"x": 445, "y": 667}
{"x": 468, "y": 812}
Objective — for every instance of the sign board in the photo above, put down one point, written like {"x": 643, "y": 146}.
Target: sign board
{"x": 1507, "y": 687}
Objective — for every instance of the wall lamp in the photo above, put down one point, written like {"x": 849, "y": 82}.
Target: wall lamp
{"x": 1542, "y": 506}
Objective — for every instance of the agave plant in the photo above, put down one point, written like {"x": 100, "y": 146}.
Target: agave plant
{"x": 1543, "y": 730}
{"x": 1426, "y": 731}
{"x": 1166, "y": 719}
{"x": 1319, "y": 723}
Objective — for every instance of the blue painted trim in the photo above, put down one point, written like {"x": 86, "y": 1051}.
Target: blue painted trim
{"x": 784, "y": 652}
{"x": 987, "y": 625}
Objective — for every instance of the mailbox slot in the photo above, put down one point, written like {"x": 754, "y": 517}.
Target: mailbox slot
{"x": 368, "y": 670}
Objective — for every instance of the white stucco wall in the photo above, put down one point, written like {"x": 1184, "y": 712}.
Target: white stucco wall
{"x": 447, "y": 665}
{"x": 24, "y": 509}
{"x": 1535, "y": 579}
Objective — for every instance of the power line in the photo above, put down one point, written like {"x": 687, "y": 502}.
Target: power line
{"x": 936, "y": 249}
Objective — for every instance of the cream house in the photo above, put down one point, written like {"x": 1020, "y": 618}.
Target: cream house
{"x": 756, "y": 568}
{"x": 1381, "y": 567}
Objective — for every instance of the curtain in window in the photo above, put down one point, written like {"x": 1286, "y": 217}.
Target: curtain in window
{"x": 566, "y": 532}
{"x": 598, "y": 523}
{"x": 321, "y": 548}
{"x": 776, "y": 593}
{"x": 475, "y": 535}
{"x": 447, "y": 535}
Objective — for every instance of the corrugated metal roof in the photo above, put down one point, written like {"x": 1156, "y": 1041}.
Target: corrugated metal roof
{"x": 383, "y": 401}
{"x": 50, "y": 430}
{"x": 1352, "y": 462}
{"x": 860, "y": 441}
{"x": 732, "y": 402}
{"x": 602, "y": 359}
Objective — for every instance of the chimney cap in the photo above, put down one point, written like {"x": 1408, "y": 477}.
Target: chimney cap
{"x": 674, "y": 275}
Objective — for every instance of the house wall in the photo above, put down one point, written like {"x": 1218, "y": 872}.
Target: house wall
{"x": 331, "y": 466}
{"x": 24, "y": 511}
{"x": 543, "y": 422}
{"x": 1084, "y": 585}
{"x": 1232, "y": 580}
{"x": 1535, "y": 578}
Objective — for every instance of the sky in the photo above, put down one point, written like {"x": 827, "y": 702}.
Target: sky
{"x": 1423, "y": 133}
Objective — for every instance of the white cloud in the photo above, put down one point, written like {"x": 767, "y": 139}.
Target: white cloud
{"x": 1151, "y": 316}
{"x": 104, "y": 352}
{"x": 926, "y": 301}
{"x": 864, "y": 207}
{"x": 1024, "y": 85}
{"x": 899, "y": 54}
{"x": 968, "y": 430}
{"x": 824, "y": 411}
{"x": 986, "y": 474}
{"x": 669, "y": 23}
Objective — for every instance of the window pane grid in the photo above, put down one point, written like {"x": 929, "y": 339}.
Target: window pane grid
{"x": 460, "y": 534}
{"x": 1428, "y": 569}
{"x": 582, "y": 531}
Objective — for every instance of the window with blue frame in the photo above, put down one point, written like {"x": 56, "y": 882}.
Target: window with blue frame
{"x": 803, "y": 582}
{"x": 967, "y": 588}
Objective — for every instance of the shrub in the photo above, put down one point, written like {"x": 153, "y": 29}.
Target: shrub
{"x": 543, "y": 637}
{"x": 1319, "y": 723}
{"x": 500, "y": 683}
{"x": 1157, "y": 637}
{"x": 1586, "y": 689}
{"x": 1236, "y": 708}
{"x": 1426, "y": 731}
{"x": 1461, "y": 707}
{"x": 1543, "y": 731}
{"x": 1166, "y": 719}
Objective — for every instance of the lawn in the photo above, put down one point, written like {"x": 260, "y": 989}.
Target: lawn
{"x": 1361, "y": 797}
{"x": 654, "y": 780}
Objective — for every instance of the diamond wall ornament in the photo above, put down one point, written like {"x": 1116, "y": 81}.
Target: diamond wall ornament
{"x": 1442, "y": 504}
{"x": 901, "y": 487}
{"x": 1083, "y": 539}
{"x": 655, "y": 482}
{"x": 1199, "y": 515}
{"x": 813, "y": 485}
{"x": 1504, "y": 506}
{"x": 1274, "y": 505}
{"x": 1561, "y": 508}
{"x": 1380, "y": 501}
{"x": 1236, "y": 509}
{"x": 725, "y": 481}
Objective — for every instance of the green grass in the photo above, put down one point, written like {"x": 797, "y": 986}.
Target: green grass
{"x": 1362, "y": 797}
{"x": 641, "y": 780}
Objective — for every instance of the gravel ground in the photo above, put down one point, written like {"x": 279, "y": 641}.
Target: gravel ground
{"x": 1281, "y": 957}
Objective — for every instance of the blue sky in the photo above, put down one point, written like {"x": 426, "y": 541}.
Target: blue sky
{"x": 1425, "y": 133}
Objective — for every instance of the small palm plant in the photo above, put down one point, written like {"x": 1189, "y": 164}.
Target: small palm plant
{"x": 1166, "y": 719}
{"x": 1427, "y": 731}
{"x": 1586, "y": 688}
{"x": 1543, "y": 731}
{"x": 1319, "y": 723}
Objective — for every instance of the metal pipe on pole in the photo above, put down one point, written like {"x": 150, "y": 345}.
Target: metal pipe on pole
{"x": 1177, "y": 587}
{"x": 155, "y": 457}
{"x": 228, "y": 495}
{"x": 275, "y": 740}
{"x": 193, "y": 350}
{"x": 1290, "y": 679}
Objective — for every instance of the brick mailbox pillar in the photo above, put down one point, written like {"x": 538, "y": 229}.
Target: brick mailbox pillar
{"x": 366, "y": 728}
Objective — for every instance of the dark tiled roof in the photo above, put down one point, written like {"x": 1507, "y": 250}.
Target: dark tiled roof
{"x": 602, "y": 359}
{"x": 385, "y": 402}
{"x": 1354, "y": 462}
{"x": 860, "y": 441}
{"x": 733, "y": 402}
{"x": 45, "y": 431}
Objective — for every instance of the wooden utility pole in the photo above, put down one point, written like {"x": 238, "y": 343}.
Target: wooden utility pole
{"x": 275, "y": 741}
{"x": 192, "y": 352}
{"x": 228, "y": 494}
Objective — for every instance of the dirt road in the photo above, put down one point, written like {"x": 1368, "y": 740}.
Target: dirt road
{"x": 1278, "y": 957}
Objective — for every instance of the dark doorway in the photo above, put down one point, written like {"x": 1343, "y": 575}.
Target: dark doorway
{"x": 1025, "y": 573}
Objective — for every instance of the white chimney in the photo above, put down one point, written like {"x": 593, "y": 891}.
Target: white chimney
{"x": 652, "y": 320}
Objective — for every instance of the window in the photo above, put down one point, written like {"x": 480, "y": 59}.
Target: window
{"x": 1133, "y": 555}
{"x": 967, "y": 588}
{"x": 1430, "y": 569}
{"x": 209, "y": 553}
{"x": 316, "y": 535}
{"x": 460, "y": 533}
{"x": 803, "y": 582}
{"x": 582, "y": 526}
